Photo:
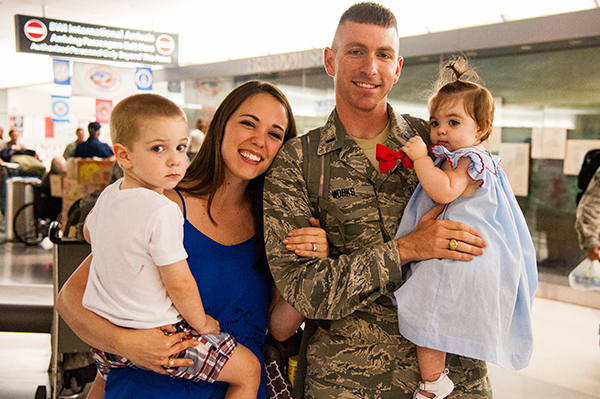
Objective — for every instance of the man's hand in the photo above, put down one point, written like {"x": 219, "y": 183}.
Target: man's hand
{"x": 431, "y": 239}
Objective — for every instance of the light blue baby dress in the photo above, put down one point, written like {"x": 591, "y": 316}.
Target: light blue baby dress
{"x": 479, "y": 309}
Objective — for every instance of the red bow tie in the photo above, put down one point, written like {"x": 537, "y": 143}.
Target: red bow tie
{"x": 387, "y": 158}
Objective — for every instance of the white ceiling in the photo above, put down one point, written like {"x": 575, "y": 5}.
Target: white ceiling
{"x": 219, "y": 30}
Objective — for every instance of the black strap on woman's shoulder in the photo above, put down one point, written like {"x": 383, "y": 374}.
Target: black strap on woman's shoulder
{"x": 315, "y": 169}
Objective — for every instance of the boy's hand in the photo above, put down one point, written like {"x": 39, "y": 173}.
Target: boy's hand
{"x": 415, "y": 148}
{"x": 211, "y": 326}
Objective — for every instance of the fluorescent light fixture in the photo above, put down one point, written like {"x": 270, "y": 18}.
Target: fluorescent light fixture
{"x": 535, "y": 9}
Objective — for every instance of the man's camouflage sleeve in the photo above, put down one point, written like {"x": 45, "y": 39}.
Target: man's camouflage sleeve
{"x": 319, "y": 288}
{"x": 587, "y": 223}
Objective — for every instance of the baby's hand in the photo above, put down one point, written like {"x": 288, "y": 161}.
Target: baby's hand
{"x": 211, "y": 326}
{"x": 415, "y": 148}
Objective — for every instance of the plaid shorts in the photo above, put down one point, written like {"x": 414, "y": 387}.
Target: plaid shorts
{"x": 210, "y": 356}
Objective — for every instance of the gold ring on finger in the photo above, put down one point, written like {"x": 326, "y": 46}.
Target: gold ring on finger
{"x": 170, "y": 363}
{"x": 314, "y": 249}
{"x": 453, "y": 245}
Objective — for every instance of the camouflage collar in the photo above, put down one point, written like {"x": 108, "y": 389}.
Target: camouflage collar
{"x": 334, "y": 136}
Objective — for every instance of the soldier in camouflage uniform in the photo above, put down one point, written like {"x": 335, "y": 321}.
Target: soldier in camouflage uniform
{"x": 587, "y": 223}
{"x": 356, "y": 350}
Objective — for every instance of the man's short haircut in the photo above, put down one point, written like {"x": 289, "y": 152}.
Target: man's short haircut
{"x": 129, "y": 114}
{"x": 370, "y": 13}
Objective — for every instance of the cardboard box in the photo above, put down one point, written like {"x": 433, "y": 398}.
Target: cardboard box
{"x": 83, "y": 177}
{"x": 88, "y": 171}
{"x": 56, "y": 185}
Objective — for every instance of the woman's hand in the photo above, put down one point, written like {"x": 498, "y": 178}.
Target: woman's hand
{"x": 284, "y": 320}
{"x": 308, "y": 241}
{"x": 154, "y": 347}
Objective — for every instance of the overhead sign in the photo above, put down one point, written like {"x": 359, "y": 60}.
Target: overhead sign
{"x": 78, "y": 40}
{"x": 101, "y": 81}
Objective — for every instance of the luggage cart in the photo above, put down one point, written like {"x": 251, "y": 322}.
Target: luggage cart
{"x": 72, "y": 369}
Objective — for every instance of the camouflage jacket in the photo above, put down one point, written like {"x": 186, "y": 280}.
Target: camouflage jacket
{"x": 587, "y": 223}
{"x": 370, "y": 270}
{"x": 360, "y": 349}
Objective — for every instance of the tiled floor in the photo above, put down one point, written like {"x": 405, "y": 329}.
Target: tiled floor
{"x": 565, "y": 362}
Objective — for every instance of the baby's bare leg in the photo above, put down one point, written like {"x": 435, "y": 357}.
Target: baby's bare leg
{"x": 432, "y": 363}
{"x": 242, "y": 373}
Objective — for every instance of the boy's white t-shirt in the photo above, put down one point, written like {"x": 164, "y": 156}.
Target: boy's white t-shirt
{"x": 133, "y": 232}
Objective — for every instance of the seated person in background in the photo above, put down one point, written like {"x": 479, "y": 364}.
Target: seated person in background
{"x": 93, "y": 147}
{"x": 50, "y": 207}
{"x": 2, "y": 143}
{"x": 58, "y": 166}
{"x": 70, "y": 148}
{"x": 11, "y": 146}
{"x": 26, "y": 160}
{"x": 197, "y": 137}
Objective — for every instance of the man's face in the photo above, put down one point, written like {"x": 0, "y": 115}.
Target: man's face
{"x": 14, "y": 136}
{"x": 365, "y": 65}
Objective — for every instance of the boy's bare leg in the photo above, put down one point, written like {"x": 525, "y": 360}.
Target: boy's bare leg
{"x": 242, "y": 373}
{"x": 97, "y": 390}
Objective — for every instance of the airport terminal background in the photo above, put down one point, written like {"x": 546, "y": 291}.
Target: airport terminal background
{"x": 544, "y": 75}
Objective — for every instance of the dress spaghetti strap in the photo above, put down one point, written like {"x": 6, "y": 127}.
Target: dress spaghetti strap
{"x": 182, "y": 202}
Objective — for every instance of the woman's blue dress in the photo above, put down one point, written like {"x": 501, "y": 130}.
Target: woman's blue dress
{"x": 233, "y": 292}
{"x": 479, "y": 309}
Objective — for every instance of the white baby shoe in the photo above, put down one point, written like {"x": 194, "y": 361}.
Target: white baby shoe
{"x": 441, "y": 387}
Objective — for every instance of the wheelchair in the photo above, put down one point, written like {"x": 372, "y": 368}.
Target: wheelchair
{"x": 32, "y": 220}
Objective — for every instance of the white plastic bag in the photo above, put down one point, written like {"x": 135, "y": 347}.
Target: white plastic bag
{"x": 586, "y": 276}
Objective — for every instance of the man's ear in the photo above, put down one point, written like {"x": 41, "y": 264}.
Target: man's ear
{"x": 122, "y": 155}
{"x": 399, "y": 69}
{"x": 329, "y": 56}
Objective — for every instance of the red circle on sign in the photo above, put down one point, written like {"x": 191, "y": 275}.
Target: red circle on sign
{"x": 165, "y": 44}
{"x": 35, "y": 30}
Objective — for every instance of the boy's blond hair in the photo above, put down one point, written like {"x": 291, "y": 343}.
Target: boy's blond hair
{"x": 129, "y": 114}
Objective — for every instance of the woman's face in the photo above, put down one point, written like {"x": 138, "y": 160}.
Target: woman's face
{"x": 253, "y": 135}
